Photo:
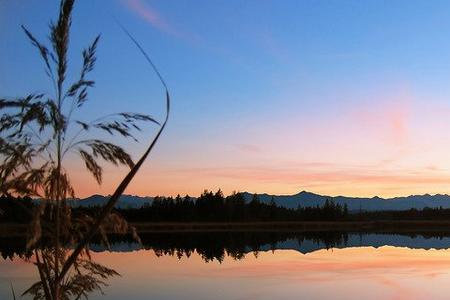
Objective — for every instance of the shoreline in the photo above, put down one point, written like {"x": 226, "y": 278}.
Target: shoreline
{"x": 409, "y": 226}
{"x": 301, "y": 226}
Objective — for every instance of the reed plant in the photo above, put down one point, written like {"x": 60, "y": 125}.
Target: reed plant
{"x": 38, "y": 134}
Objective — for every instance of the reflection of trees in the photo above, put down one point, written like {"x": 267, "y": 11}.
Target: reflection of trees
{"x": 329, "y": 239}
{"x": 211, "y": 246}
{"x": 11, "y": 247}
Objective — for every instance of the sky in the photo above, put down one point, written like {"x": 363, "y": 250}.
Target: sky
{"x": 333, "y": 97}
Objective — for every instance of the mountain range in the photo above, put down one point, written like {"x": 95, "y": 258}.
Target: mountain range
{"x": 302, "y": 199}
{"x": 307, "y": 199}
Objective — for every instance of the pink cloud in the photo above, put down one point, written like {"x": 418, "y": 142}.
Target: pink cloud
{"x": 155, "y": 19}
{"x": 302, "y": 175}
{"x": 388, "y": 118}
{"x": 150, "y": 15}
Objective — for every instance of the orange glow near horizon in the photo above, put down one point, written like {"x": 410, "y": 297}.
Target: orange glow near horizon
{"x": 389, "y": 147}
{"x": 330, "y": 180}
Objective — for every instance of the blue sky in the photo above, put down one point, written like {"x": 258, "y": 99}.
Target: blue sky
{"x": 268, "y": 96}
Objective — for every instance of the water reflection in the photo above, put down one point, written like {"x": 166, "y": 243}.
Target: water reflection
{"x": 350, "y": 273}
{"x": 215, "y": 246}
{"x": 242, "y": 265}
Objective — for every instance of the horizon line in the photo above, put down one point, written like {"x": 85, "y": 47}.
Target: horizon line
{"x": 268, "y": 194}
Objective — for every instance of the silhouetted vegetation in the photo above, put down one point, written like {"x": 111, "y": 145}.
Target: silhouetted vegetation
{"x": 38, "y": 132}
{"x": 215, "y": 207}
{"x": 15, "y": 210}
{"x": 426, "y": 213}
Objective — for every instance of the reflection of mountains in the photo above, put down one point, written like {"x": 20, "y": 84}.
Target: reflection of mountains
{"x": 216, "y": 245}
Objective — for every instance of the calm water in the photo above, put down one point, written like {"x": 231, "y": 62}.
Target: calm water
{"x": 263, "y": 266}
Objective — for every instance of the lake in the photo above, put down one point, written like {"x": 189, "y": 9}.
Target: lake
{"x": 244, "y": 265}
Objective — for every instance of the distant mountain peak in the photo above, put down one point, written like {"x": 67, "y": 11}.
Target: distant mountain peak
{"x": 306, "y": 193}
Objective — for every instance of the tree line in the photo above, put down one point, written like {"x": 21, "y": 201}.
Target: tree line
{"x": 215, "y": 207}
{"x": 209, "y": 207}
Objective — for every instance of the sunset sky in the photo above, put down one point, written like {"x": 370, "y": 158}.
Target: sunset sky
{"x": 333, "y": 97}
